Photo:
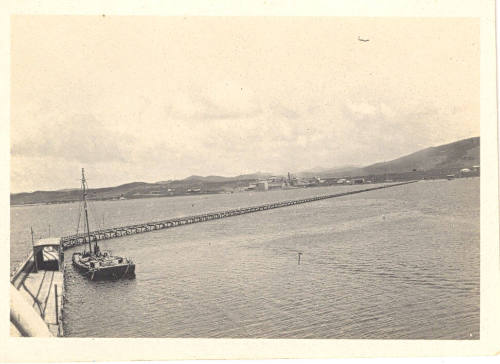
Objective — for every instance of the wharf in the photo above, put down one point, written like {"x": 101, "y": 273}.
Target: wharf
{"x": 37, "y": 292}
{"x": 110, "y": 233}
{"x": 43, "y": 291}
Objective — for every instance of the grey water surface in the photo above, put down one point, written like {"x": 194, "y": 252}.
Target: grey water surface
{"x": 397, "y": 263}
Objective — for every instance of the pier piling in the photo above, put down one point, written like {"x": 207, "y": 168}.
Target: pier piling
{"x": 111, "y": 233}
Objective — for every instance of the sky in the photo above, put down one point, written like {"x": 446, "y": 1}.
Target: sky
{"x": 158, "y": 98}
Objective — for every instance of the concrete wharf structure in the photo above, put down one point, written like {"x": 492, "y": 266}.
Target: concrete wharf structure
{"x": 110, "y": 233}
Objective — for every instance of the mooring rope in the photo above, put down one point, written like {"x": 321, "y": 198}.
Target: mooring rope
{"x": 126, "y": 271}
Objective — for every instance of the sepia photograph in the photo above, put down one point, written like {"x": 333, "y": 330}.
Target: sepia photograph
{"x": 246, "y": 177}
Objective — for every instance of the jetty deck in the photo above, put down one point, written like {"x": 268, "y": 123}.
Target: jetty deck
{"x": 43, "y": 291}
{"x": 37, "y": 292}
{"x": 115, "y": 232}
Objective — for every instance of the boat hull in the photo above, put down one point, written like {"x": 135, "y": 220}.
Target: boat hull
{"x": 112, "y": 272}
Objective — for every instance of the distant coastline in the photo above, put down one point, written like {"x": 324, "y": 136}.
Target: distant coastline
{"x": 454, "y": 160}
{"x": 329, "y": 182}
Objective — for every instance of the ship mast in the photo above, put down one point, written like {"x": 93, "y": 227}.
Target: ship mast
{"x": 84, "y": 188}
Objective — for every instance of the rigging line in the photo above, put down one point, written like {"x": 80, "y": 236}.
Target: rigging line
{"x": 87, "y": 200}
{"x": 79, "y": 215}
{"x": 90, "y": 206}
{"x": 93, "y": 214}
{"x": 92, "y": 209}
{"x": 80, "y": 210}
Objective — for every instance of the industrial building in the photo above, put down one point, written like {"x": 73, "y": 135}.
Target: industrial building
{"x": 262, "y": 186}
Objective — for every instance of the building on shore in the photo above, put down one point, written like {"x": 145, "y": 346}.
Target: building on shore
{"x": 276, "y": 185}
{"x": 358, "y": 181}
{"x": 262, "y": 186}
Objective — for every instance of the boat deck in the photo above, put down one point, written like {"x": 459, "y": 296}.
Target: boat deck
{"x": 39, "y": 290}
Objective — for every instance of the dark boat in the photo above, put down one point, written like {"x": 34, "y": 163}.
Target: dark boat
{"x": 103, "y": 266}
{"x": 97, "y": 264}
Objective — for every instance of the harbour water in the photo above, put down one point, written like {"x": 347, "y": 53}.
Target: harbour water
{"x": 398, "y": 263}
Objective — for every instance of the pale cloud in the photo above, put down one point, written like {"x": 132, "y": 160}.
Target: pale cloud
{"x": 281, "y": 111}
{"x": 81, "y": 138}
{"x": 387, "y": 111}
{"x": 361, "y": 109}
{"x": 218, "y": 97}
{"x": 223, "y": 100}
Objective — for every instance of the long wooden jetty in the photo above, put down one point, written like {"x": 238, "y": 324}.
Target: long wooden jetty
{"x": 110, "y": 233}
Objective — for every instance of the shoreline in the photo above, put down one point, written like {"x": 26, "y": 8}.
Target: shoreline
{"x": 147, "y": 196}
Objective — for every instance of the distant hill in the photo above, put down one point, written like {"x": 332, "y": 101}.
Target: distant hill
{"x": 69, "y": 195}
{"x": 189, "y": 185}
{"x": 448, "y": 157}
{"x": 433, "y": 162}
{"x": 329, "y": 172}
{"x": 457, "y": 155}
{"x": 242, "y": 177}
{"x": 207, "y": 178}
{"x": 251, "y": 176}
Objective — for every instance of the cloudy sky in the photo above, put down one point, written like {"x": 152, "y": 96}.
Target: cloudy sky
{"x": 157, "y": 98}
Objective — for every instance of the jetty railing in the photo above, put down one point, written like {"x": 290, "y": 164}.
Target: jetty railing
{"x": 115, "y": 232}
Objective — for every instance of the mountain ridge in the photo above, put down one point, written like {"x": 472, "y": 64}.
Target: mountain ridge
{"x": 435, "y": 161}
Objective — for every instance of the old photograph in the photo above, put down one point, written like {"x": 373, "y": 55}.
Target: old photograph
{"x": 245, "y": 177}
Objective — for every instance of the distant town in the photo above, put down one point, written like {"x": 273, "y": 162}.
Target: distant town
{"x": 194, "y": 186}
{"x": 291, "y": 181}
{"x": 455, "y": 160}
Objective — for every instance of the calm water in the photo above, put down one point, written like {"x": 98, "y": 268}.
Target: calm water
{"x": 399, "y": 263}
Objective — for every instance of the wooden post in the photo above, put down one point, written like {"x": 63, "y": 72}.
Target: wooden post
{"x": 33, "y": 246}
{"x": 57, "y": 304}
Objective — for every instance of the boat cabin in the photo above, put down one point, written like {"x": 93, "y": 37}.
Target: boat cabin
{"x": 48, "y": 255}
